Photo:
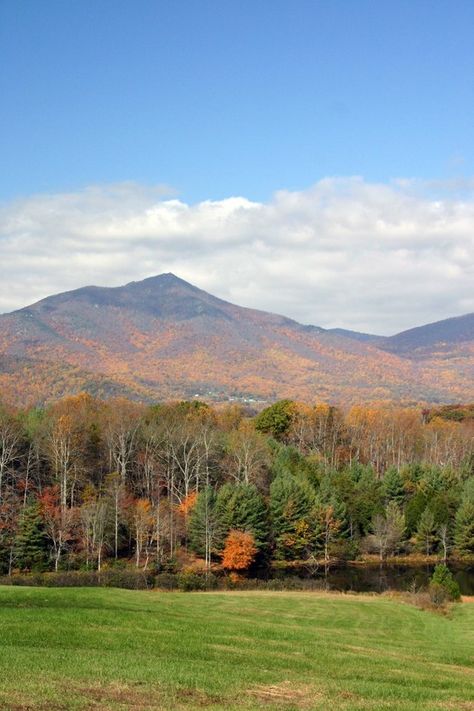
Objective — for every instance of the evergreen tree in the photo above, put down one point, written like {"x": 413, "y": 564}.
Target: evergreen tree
{"x": 464, "y": 528}
{"x": 327, "y": 487}
{"x": 30, "y": 540}
{"x": 366, "y": 503}
{"x": 292, "y": 510}
{"x": 203, "y": 523}
{"x": 412, "y": 474}
{"x": 426, "y": 531}
{"x": 224, "y": 510}
{"x": 288, "y": 460}
{"x": 468, "y": 490}
{"x": 442, "y": 579}
{"x": 413, "y": 511}
{"x": 241, "y": 507}
{"x": 392, "y": 486}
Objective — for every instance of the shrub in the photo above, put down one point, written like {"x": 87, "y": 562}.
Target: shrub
{"x": 190, "y": 582}
{"x": 130, "y": 579}
{"x": 166, "y": 581}
{"x": 438, "y": 594}
{"x": 443, "y": 583}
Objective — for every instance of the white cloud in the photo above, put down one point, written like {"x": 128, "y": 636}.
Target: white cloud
{"x": 344, "y": 252}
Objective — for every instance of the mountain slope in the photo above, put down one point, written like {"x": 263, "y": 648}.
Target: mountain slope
{"x": 448, "y": 334}
{"x": 163, "y": 338}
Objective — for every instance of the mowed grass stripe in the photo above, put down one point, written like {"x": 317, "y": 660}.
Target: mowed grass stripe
{"x": 117, "y": 649}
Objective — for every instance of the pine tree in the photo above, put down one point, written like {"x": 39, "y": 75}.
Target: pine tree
{"x": 292, "y": 509}
{"x": 241, "y": 507}
{"x": 288, "y": 460}
{"x": 464, "y": 528}
{"x": 426, "y": 531}
{"x": 30, "y": 540}
{"x": 392, "y": 486}
{"x": 443, "y": 581}
{"x": 414, "y": 510}
{"x": 367, "y": 500}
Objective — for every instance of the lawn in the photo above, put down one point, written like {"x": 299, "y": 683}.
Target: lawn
{"x": 86, "y": 648}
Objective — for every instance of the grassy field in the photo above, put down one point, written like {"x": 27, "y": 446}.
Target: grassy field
{"x": 117, "y": 649}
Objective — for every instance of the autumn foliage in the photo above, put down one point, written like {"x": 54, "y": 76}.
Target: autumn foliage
{"x": 239, "y": 551}
{"x": 86, "y": 482}
{"x": 66, "y": 344}
{"x": 188, "y": 503}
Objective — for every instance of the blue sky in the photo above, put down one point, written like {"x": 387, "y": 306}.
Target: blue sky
{"x": 219, "y": 98}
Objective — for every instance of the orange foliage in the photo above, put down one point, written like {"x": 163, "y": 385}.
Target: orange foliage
{"x": 187, "y": 504}
{"x": 117, "y": 349}
{"x": 239, "y": 550}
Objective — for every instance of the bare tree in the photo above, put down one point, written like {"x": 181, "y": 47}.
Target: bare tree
{"x": 63, "y": 452}
{"x": 144, "y": 529}
{"x": 388, "y": 529}
{"x": 443, "y": 535}
{"x": 94, "y": 519}
{"x": 121, "y": 431}
{"x": 248, "y": 454}
{"x": 10, "y": 436}
{"x": 58, "y": 522}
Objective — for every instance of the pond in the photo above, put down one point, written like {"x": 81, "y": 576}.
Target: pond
{"x": 373, "y": 578}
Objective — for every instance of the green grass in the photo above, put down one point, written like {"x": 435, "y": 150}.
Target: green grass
{"x": 116, "y": 649}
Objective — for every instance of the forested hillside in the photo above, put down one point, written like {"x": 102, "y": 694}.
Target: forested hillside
{"x": 86, "y": 483}
{"x": 163, "y": 338}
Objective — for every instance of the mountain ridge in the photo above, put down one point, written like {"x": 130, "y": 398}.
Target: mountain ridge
{"x": 163, "y": 337}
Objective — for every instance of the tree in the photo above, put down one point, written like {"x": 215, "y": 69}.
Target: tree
{"x": 10, "y": 436}
{"x": 317, "y": 431}
{"x": 329, "y": 528}
{"x": 292, "y": 503}
{"x": 203, "y": 524}
{"x": 392, "y": 486}
{"x": 426, "y": 532}
{"x": 30, "y": 540}
{"x": 239, "y": 550}
{"x": 121, "y": 431}
{"x": 58, "y": 522}
{"x": 143, "y": 522}
{"x": 464, "y": 528}
{"x": 414, "y": 510}
{"x": 276, "y": 419}
{"x": 63, "y": 451}
{"x": 241, "y": 506}
{"x": 248, "y": 454}
{"x": 388, "y": 529}
{"x": 10, "y": 508}
{"x": 94, "y": 515}
{"x": 117, "y": 495}
{"x": 367, "y": 500}
{"x": 444, "y": 539}
{"x": 442, "y": 581}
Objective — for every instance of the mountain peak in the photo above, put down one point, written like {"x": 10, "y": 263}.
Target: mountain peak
{"x": 163, "y": 337}
{"x": 160, "y": 283}
{"x": 165, "y": 278}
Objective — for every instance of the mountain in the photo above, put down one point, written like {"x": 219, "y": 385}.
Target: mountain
{"x": 447, "y": 335}
{"x": 356, "y": 335}
{"x": 164, "y": 338}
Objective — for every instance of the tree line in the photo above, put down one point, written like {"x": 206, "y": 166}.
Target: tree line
{"x": 86, "y": 483}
